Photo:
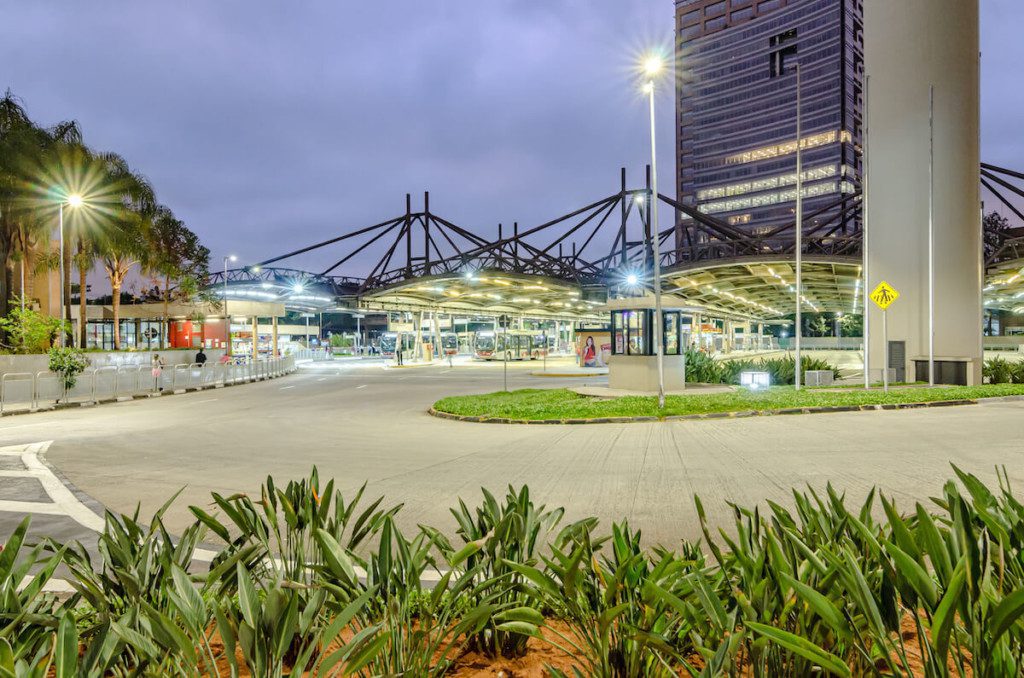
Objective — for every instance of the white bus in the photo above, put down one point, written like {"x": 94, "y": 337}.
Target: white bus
{"x": 511, "y": 345}
{"x": 389, "y": 340}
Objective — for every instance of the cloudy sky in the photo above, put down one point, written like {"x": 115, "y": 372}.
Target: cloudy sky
{"x": 270, "y": 125}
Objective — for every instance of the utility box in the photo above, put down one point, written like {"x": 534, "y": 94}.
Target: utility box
{"x": 819, "y": 377}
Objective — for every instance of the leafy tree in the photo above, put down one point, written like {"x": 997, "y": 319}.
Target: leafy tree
{"x": 852, "y": 325}
{"x": 994, "y": 232}
{"x": 29, "y": 331}
{"x": 820, "y": 326}
{"x": 177, "y": 256}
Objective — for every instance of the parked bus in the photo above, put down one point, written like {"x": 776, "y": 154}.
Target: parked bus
{"x": 544, "y": 342}
{"x": 449, "y": 343}
{"x": 388, "y": 340}
{"x": 512, "y": 345}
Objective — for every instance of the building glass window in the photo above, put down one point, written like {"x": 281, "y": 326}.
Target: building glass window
{"x": 672, "y": 334}
{"x": 632, "y": 335}
{"x": 636, "y": 333}
{"x": 715, "y": 9}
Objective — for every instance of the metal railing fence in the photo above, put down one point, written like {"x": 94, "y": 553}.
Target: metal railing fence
{"x": 28, "y": 391}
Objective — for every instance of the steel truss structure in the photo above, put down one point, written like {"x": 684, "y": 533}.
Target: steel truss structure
{"x": 598, "y": 245}
{"x": 1008, "y": 245}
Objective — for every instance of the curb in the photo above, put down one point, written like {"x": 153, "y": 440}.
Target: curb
{"x": 740, "y": 414}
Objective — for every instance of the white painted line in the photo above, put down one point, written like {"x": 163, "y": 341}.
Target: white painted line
{"x": 361, "y": 386}
{"x": 61, "y": 495}
{"x": 322, "y": 379}
{"x": 285, "y": 388}
{"x": 211, "y": 400}
{"x": 39, "y": 507}
{"x": 16, "y": 474}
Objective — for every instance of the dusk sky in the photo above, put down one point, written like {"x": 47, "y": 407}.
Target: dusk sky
{"x": 270, "y": 125}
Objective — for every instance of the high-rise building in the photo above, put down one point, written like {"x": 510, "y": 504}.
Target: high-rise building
{"x": 736, "y": 108}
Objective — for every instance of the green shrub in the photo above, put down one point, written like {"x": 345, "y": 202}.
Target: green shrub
{"x": 1000, "y": 371}
{"x": 704, "y": 368}
{"x": 28, "y": 330}
{"x": 67, "y": 363}
{"x": 309, "y": 583}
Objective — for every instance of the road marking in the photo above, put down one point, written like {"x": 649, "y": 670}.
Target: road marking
{"x": 200, "y": 402}
{"x": 322, "y": 379}
{"x": 362, "y": 386}
{"x": 64, "y": 501}
{"x": 283, "y": 388}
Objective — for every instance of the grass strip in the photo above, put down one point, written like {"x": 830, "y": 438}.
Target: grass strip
{"x": 548, "y": 404}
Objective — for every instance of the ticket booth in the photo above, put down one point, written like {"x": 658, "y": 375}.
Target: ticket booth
{"x": 634, "y": 364}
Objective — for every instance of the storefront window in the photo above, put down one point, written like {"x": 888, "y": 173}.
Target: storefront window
{"x": 671, "y": 333}
{"x": 618, "y": 334}
{"x": 636, "y": 327}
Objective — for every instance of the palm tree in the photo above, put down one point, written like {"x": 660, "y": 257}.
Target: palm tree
{"x": 21, "y": 143}
{"x": 122, "y": 240}
{"x": 27, "y": 153}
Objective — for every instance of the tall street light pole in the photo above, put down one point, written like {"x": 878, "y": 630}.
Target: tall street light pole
{"x": 72, "y": 201}
{"x": 652, "y": 67}
{"x": 799, "y": 232}
{"x": 227, "y": 317}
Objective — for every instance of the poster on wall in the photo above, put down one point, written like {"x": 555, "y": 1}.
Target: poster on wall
{"x": 593, "y": 347}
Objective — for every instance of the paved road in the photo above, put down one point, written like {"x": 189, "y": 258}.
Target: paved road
{"x": 359, "y": 422}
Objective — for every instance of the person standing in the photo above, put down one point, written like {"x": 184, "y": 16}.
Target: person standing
{"x": 157, "y": 371}
{"x": 201, "y": 357}
{"x": 398, "y": 353}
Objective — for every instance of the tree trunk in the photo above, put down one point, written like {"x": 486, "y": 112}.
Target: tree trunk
{"x": 167, "y": 312}
{"x": 83, "y": 271}
{"x": 4, "y": 279}
{"x": 115, "y": 304}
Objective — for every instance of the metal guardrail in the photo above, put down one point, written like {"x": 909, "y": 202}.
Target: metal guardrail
{"x": 311, "y": 354}
{"x": 27, "y": 391}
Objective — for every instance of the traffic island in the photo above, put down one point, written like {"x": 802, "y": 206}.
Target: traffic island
{"x": 565, "y": 406}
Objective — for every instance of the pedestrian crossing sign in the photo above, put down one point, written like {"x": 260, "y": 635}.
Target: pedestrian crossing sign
{"x": 884, "y": 295}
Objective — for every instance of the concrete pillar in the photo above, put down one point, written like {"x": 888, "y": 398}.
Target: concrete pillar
{"x": 417, "y": 351}
{"x": 273, "y": 336}
{"x": 255, "y": 338}
{"x": 437, "y": 334}
{"x": 909, "y": 46}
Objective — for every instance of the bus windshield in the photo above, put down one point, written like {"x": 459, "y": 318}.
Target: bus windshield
{"x": 485, "y": 342}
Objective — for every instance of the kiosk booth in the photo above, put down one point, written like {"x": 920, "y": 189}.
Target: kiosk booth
{"x": 634, "y": 365}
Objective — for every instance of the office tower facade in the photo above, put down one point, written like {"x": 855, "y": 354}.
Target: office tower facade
{"x": 736, "y": 127}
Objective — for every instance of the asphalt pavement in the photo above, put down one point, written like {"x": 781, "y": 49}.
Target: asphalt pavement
{"x": 362, "y": 422}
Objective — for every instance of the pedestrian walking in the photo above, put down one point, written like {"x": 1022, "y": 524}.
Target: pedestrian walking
{"x": 157, "y": 370}
{"x": 398, "y": 355}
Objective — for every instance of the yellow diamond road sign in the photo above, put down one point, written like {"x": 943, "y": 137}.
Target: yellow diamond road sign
{"x": 884, "y": 295}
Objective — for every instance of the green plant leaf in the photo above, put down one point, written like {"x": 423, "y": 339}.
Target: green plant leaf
{"x": 1006, "y": 614}
{"x": 802, "y": 647}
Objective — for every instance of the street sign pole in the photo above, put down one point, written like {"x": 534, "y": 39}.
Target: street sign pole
{"x": 885, "y": 343}
{"x": 883, "y": 296}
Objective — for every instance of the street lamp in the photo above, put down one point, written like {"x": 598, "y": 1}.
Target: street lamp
{"x": 227, "y": 318}
{"x": 74, "y": 200}
{"x": 653, "y": 67}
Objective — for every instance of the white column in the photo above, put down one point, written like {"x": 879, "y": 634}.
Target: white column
{"x": 910, "y": 46}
